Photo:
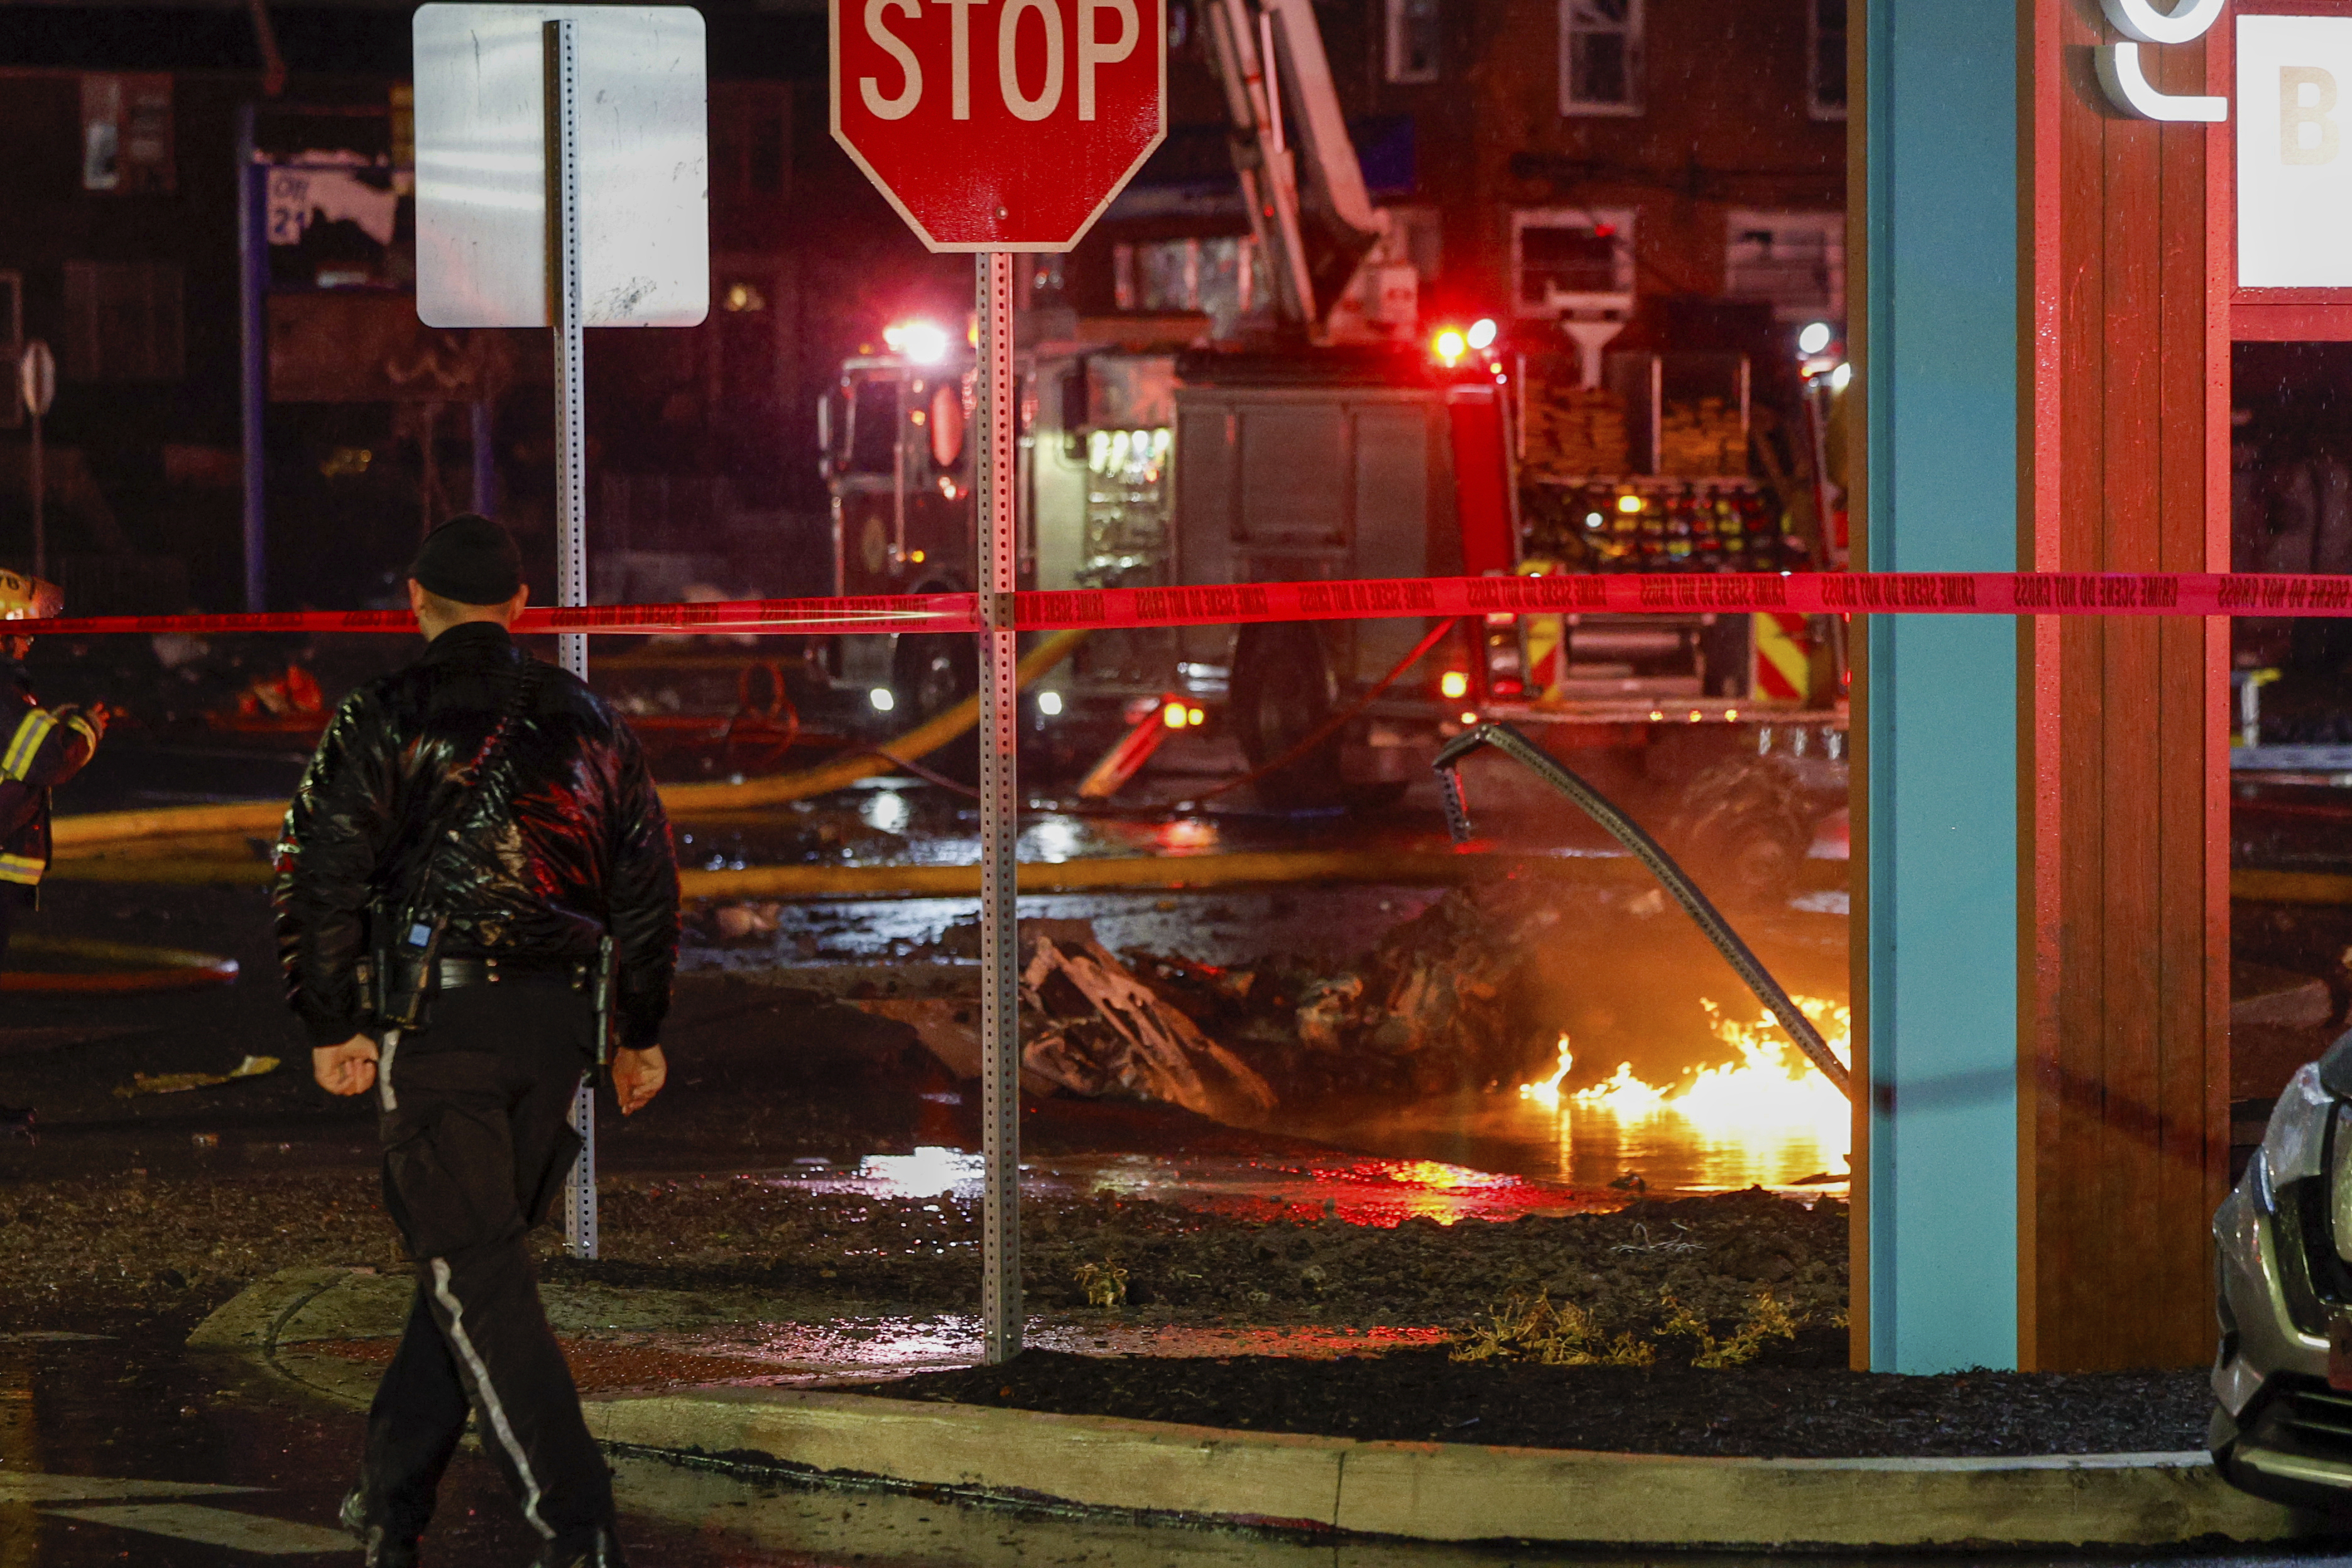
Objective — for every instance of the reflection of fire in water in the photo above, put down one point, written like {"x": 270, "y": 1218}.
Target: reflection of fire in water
{"x": 1770, "y": 1091}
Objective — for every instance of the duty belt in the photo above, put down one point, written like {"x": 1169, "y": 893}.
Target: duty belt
{"x": 577, "y": 974}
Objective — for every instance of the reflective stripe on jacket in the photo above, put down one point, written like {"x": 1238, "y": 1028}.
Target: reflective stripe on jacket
{"x": 41, "y": 750}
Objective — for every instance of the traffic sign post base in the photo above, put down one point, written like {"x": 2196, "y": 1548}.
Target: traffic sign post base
{"x": 1000, "y": 804}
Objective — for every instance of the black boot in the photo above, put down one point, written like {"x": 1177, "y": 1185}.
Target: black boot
{"x": 601, "y": 1550}
{"x": 383, "y": 1549}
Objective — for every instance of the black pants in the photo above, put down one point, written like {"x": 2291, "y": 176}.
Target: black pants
{"x": 16, "y": 902}
{"x": 476, "y": 1147}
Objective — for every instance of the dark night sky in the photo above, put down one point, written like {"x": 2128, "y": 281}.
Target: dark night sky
{"x": 771, "y": 42}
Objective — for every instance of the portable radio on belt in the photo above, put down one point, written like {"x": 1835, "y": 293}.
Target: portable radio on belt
{"x": 406, "y": 968}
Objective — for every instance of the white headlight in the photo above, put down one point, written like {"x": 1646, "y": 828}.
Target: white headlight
{"x": 1049, "y": 703}
{"x": 882, "y": 700}
{"x": 2298, "y": 1129}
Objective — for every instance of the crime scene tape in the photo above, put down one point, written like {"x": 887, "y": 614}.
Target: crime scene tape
{"x": 1802, "y": 593}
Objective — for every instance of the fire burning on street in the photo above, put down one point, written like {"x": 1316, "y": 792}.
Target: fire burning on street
{"x": 1769, "y": 1094}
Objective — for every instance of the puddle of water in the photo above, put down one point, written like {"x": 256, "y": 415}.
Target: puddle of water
{"x": 1566, "y": 1163}
{"x": 1374, "y": 1190}
{"x": 853, "y": 1350}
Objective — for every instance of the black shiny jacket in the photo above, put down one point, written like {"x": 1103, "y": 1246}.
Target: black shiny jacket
{"x": 531, "y": 854}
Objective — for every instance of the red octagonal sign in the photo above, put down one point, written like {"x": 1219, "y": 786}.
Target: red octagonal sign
{"x": 1000, "y": 124}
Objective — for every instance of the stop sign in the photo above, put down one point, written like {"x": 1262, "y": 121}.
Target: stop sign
{"x": 1000, "y": 124}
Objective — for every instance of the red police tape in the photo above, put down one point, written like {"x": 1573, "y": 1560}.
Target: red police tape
{"x": 1803, "y": 593}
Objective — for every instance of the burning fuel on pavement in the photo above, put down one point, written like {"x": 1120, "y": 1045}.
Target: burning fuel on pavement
{"x": 1764, "y": 1118}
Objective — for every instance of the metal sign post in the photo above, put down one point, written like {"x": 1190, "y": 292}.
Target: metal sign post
{"x": 974, "y": 164}
{"x": 999, "y": 805}
{"x": 532, "y": 213}
{"x": 571, "y": 493}
{"x": 36, "y": 383}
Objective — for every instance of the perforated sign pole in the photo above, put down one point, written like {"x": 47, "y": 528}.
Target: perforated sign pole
{"x": 999, "y": 805}
{"x": 571, "y": 500}
{"x": 999, "y": 132}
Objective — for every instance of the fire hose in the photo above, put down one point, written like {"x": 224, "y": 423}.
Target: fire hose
{"x": 94, "y": 967}
{"x": 1626, "y": 831}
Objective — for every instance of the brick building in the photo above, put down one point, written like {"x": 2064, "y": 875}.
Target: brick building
{"x": 1531, "y": 148}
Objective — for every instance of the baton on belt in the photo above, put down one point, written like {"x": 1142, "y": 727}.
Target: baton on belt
{"x": 607, "y": 975}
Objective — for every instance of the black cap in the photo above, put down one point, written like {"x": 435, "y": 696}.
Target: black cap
{"x": 469, "y": 559}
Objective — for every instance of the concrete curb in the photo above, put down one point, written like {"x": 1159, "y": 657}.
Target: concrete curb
{"x": 1424, "y": 1491}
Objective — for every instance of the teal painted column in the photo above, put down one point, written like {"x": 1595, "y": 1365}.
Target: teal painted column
{"x": 1943, "y": 356}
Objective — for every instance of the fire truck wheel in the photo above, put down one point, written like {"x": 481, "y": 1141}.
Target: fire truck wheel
{"x": 1283, "y": 691}
{"x": 1742, "y": 830}
{"x": 932, "y": 672}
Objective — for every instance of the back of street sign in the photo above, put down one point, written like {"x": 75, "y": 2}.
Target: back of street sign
{"x": 482, "y": 165}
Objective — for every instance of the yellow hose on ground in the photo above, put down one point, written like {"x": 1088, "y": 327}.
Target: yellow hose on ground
{"x": 684, "y": 800}
{"x": 100, "y": 967}
{"x": 2290, "y": 886}
{"x": 256, "y": 817}
{"x": 246, "y": 817}
{"x": 1404, "y": 868}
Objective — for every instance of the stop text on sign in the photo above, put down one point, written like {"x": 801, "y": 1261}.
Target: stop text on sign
{"x": 1049, "y": 53}
{"x": 1000, "y": 124}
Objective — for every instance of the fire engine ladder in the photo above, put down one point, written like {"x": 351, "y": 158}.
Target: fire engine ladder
{"x": 1312, "y": 232}
{"x": 1626, "y": 831}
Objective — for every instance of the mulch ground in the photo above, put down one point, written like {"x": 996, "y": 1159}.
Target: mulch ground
{"x": 1799, "y": 1403}
{"x": 159, "y": 1240}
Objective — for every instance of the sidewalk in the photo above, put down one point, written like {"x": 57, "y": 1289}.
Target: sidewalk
{"x": 724, "y": 1373}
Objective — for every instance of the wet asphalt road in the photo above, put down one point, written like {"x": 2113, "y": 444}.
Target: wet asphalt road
{"x": 131, "y": 1449}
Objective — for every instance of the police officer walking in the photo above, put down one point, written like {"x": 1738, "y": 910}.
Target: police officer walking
{"x": 474, "y": 883}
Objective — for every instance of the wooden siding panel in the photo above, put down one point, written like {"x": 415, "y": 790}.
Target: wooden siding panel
{"x": 2122, "y": 1112}
{"x": 2188, "y": 1068}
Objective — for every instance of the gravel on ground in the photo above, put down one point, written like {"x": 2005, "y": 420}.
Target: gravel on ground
{"x": 82, "y": 1244}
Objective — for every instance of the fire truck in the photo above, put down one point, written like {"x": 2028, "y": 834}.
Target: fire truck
{"x": 1323, "y": 448}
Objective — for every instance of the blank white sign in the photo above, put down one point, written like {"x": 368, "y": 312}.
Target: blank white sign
{"x": 2294, "y": 164}
{"x": 481, "y": 164}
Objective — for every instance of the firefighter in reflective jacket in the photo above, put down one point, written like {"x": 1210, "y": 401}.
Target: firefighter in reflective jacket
{"x": 41, "y": 748}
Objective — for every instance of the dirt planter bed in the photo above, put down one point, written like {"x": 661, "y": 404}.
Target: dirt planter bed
{"x": 1800, "y": 1401}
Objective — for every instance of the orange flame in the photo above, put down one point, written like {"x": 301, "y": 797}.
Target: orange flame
{"x": 1770, "y": 1088}
{"x": 1547, "y": 1091}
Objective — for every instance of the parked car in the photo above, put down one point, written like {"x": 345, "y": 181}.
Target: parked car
{"x": 2284, "y": 1257}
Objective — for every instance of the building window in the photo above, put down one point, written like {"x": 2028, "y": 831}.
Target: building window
{"x": 1572, "y": 259}
{"x": 1600, "y": 56}
{"x": 124, "y": 321}
{"x": 1825, "y": 59}
{"x": 750, "y": 139}
{"x": 1224, "y": 279}
{"x": 1795, "y": 260}
{"x": 127, "y": 134}
{"x": 1412, "y": 40}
